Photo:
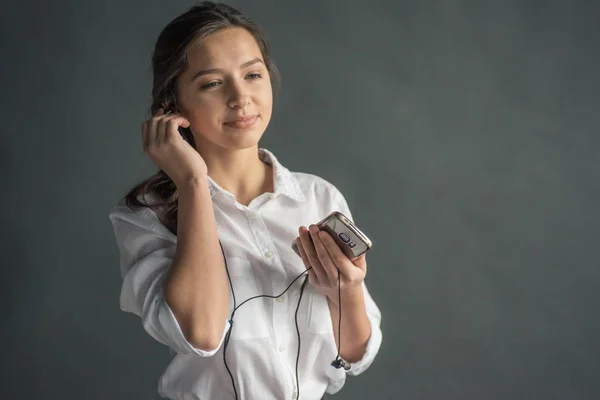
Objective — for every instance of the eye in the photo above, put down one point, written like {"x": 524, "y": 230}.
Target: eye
{"x": 210, "y": 85}
{"x": 253, "y": 76}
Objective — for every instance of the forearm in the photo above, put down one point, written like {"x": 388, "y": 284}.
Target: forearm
{"x": 196, "y": 286}
{"x": 355, "y": 328}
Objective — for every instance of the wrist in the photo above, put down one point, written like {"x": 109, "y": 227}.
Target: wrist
{"x": 193, "y": 183}
{"x": 350, "y": 296}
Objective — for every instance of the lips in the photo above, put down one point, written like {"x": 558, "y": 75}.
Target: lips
{"x": 242, "y": 122}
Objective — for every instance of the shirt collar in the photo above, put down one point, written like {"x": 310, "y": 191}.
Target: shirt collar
{"x": 284, "y": 181}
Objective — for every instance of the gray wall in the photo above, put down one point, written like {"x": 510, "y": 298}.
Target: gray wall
{"x": 466, "y": 142}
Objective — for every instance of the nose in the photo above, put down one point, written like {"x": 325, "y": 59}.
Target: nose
{"x": 239, "y": 97}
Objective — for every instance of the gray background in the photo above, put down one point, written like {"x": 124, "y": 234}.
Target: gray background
{"x": 463, "y": 134}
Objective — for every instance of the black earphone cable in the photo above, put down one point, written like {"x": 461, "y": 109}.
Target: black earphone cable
{"x": 298, "y": 333}
{"x": 338, "y": 362}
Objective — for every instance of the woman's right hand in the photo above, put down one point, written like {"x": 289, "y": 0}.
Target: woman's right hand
{"x": 165, "y": 146}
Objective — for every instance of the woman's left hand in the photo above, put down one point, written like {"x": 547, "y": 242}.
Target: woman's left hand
{"x": 320, "y": 251}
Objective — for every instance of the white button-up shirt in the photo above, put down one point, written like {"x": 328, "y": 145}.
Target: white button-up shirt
{"x": 263, "y": 346}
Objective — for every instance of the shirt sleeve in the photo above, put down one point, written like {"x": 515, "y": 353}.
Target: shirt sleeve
{"x": 373, "y": 312}
{"x": 146, "y": 250}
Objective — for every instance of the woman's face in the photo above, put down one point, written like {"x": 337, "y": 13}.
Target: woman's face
{"x": 226, "y": 91}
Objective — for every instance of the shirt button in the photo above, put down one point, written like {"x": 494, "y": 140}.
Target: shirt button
{"x": 272, "y": 195}
{"x": 295, "y": 395}
{"x": 269, "y": 254}
{"x": 281, "y": 347}
{"x": 279, "y": 299}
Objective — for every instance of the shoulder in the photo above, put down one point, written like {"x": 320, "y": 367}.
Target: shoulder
{"x": 143, "y": 217}
{"x": 123, "y": 212}
{"x": 318, "y": 188}
{"x": 308, "y": 184}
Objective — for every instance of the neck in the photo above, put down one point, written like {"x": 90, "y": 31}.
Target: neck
{"x": 240, "y": 172}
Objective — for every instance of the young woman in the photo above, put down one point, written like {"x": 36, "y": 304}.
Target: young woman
{"x": 205, "y": 243}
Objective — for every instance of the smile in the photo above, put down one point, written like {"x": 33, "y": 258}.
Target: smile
{"x": 242, "y": 123}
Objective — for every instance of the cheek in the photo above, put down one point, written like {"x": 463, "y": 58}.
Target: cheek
{"x": 265, "y": 99}
{"x": 206, "y": 112}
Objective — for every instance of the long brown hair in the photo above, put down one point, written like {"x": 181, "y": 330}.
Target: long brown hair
{"x": 169, "y": 61}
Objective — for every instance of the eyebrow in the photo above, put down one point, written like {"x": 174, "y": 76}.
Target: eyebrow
{"x": 219, "y": 70}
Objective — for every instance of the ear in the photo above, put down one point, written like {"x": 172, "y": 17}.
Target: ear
{"x": 167, "y": 107}
{"x": 169, "y": 104}
{"x": 177, "y": 109}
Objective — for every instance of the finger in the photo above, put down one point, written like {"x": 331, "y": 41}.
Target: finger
{"x": 311, "y": 255}
{"x": 337, "y": 256}
{"x": 173, "y": 122}
{"x": 161, "y": 129}
{"x": 312, "y": 277}
{"x": 158, "y": 126}
{"x": 152, "y": 129}
{"x": 311, "y": 272}
{"x": 328, "y": 265}
{"x": 183, "y": 121}
{"x": 302, "y": 253}
{"x": 361, "y": 262}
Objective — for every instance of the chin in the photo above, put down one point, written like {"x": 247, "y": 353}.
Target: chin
{"x": 240, "y": 142}
{"x": 243, "y": 138}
